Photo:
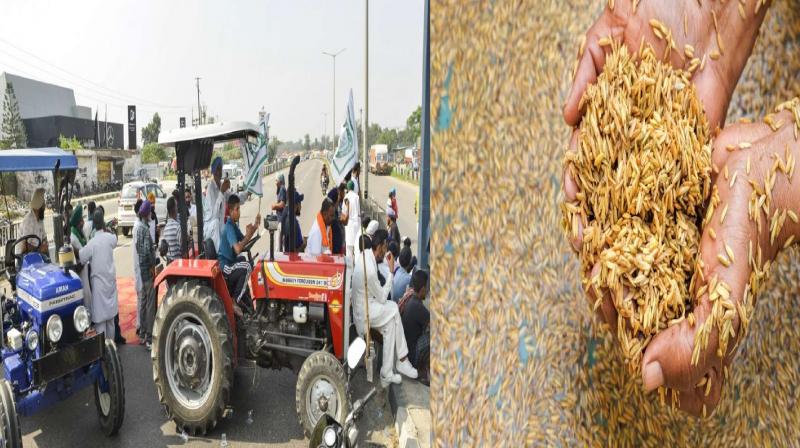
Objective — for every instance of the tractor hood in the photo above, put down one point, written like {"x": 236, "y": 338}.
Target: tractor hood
{"x": 45, "y": 287}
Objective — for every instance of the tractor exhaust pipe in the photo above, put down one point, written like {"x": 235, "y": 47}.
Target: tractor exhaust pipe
{"x": 291, "y": 234}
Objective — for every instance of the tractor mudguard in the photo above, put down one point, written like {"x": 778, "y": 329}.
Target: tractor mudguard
{"x": 206, "y": 269}
{"x": 15, "y": 372}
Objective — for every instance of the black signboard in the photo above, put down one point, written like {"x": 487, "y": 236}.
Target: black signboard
{"x": 183, "y": 122}
{"x": 131, "y": 127}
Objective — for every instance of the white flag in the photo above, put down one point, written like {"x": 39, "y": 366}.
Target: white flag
{"x": 346, "y": 154}
{"x": 255, "y": 155}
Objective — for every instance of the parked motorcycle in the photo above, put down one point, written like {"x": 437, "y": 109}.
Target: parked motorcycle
{"x": 331, "y": 434}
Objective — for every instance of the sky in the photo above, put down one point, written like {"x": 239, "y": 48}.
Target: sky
{"x": 248, "y": 54}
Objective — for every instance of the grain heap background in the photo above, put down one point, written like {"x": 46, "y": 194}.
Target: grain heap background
{"x": 517, "y": 359}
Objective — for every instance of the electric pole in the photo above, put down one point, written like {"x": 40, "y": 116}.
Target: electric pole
{"x": 199, "y": 111}
{"x": 333, "y": 130}
{"x": 365, "y": 123}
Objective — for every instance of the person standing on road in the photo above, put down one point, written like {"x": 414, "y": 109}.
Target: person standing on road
{"x": 33, "y": 224}
{"x": 153, "y": 218}
{"x": 137, "y": 278}
{"x": 355, "y": 174}
{"x": 416, "y": 324}
{"x": 217, "y": 193}
{"x": 337, "y": 229}
{"x": 391, "y": 223}
{"x": 384, "y": 315}
{"x": 77, "y": 240}
{"x": 145, "y": 248}
{"x": 88, "y": 225}
{"x": 352, "y": 205}
{"x": 320, "y": 237}
{"x": 393, "y": 203}
{"x": 99, "y": 252}
{"x": 171, "y": 238}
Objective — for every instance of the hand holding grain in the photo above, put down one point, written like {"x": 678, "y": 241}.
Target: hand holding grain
{"x": 753, "y": 216}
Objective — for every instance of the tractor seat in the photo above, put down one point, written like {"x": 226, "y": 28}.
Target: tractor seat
{"x": 210, "y": 249}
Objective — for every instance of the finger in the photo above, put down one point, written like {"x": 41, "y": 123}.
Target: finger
{"x": 605, "y": 307}
{"x": 569, "y": 185}
{"x": 590, "y": 65}
{"x": 703, "y": 398}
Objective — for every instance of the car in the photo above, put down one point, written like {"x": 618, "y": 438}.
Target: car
{"x": 234, "y": 174}
{"x": 49, "y": 348}
{"x": 132, "y": 191}
{"x": 301, "y": 319}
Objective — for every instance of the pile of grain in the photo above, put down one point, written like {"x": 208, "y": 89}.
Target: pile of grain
{"x": 643, "y": 171}
{"x": 517, "y": 357}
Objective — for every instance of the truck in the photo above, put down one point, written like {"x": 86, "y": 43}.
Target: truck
{"x": 379, "y": 160}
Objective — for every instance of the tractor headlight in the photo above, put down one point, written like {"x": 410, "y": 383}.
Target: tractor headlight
{"x": 54, "y": 328}
{"x": 329, "y": 436}
{"x": 32, "y": 340}
{"x": 81, "y": 318}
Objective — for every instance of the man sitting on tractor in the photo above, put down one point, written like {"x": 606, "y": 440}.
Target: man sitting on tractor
{"x": 235, "y": 267}
{"x": 384, "y": 315}
{"x": 33, "y": 224}
{"x": 320, "y": 237}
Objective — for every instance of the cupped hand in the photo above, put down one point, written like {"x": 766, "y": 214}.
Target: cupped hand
{"x": 667, "y": 359}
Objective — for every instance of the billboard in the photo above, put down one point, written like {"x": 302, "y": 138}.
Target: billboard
{"x": 131, "y": 127}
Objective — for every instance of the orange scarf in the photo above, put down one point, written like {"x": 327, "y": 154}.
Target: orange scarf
{"x": 327, "y": 237}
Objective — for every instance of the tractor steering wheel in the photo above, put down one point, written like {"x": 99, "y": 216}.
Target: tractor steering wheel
{"x": 26, "y": 239}
{"x": 250, "y": 243}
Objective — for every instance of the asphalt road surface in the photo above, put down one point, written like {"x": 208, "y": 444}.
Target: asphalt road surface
{"x": 263, "y": 400}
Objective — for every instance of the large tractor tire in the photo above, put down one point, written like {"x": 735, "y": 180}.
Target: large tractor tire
{"x": 192, "y": 356}
{"x": 321, "y": 389}
{"x": 9, "y": 420}
{"x": 110, "y": 402}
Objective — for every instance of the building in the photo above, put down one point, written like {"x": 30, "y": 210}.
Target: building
{"x": 49, "y": 111}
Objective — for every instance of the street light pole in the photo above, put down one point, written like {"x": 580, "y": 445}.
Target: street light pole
{"x": 365, "y": 123}
{"x": 333, "y": 130}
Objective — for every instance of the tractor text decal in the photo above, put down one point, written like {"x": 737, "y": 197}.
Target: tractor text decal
{"x": 55, "y": 302}
{"x": 279, "y": 277}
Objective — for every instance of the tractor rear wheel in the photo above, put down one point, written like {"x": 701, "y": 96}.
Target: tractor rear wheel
{"x": 111, "y": 402}
{"x": 321, "y": 389}
{"x": 192, "y": 356}
{"x": 9, "y": 420}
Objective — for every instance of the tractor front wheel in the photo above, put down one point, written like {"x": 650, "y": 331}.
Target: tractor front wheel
{"x": 9, "y": 420}
{"x": 109, "y": 392}
{"x": 321, "y": 389}
{"x": 192, "y": 356}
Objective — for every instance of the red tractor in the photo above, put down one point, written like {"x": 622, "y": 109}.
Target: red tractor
{"x": 301, "y": 319}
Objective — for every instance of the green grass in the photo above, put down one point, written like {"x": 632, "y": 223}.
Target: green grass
{"x": 397, "y": 175}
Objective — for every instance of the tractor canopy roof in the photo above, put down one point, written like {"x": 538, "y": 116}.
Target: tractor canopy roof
{"x": 36, "y": 159}
{"x": 195, "y": 145}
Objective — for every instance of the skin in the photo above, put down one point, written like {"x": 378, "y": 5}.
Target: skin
{"x": 250, "y": 229}
{"x": 667, "y": 358}
{"x": 329, "y": 216}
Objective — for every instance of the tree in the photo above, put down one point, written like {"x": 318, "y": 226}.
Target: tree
{"x": 388, "y": 137}
{"x": 152, "y": 130}
{"x": 12, "y": 132}
{"x": 153, "y": 153}
{"x": 272, "y": 148}
{"x": 69, "y": 143}
{"x": 413, "y": 123}
{"x": 307, "y": 143}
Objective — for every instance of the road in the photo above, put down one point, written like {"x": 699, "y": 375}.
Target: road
{"x": 269, "y": 394}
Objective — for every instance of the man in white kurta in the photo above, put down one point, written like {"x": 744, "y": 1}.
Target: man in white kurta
{"x": 383, "y": 314}
{"x": 99, "y": 251}
{"x": 320, "y": 237}
{"x": 217, "y": 193}
{"x": 33, "y": 224}
{"x": 353, "y": 228}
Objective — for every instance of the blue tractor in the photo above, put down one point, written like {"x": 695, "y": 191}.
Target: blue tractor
{"x": 48, "y": 347}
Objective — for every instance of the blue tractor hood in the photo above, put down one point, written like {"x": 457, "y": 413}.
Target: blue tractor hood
{"x": 44, "y": 287}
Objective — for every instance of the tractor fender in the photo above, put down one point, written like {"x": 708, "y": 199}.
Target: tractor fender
{"x": 205, "y": 269}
